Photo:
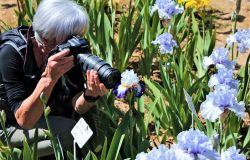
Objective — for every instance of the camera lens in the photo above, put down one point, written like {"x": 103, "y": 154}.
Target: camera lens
{"x": 109, "y": 76}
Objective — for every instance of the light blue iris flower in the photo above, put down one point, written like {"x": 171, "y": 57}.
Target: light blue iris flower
{"x": 242, "y": 38}
{"x": 192, "y": 145}
{"x": 223, "y": 97}
{"x": 166, "y": 42}
{"x": 224, "y": 76}
{"x": 166, "y": 8}
{"x": 197, "y": 144}
{"x": 163, "y": 153}
{"x": 232, "y": 154}
{"x": 219, "y": 57}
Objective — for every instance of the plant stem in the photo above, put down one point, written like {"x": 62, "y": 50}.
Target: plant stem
{"x": 18, "y": 5}
{"x": 131, "y": 133}
{"x": 51, "y": 136}
{"x": 131, "y": 101}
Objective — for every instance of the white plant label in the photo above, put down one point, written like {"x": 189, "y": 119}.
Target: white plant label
{"x": 81, "y": 132}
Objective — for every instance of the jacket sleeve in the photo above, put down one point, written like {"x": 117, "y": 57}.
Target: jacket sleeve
{"x": 11, "y": 70}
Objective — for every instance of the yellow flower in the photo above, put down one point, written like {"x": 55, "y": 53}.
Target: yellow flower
{"x": 197, "y": 4}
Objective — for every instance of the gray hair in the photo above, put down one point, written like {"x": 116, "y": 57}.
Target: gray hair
{"x": 57, "y": 20}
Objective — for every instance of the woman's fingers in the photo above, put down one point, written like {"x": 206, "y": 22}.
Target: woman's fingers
{"x": 96, "y": 78}
{"x": 94, "y": 86}
{"x": 103, "y": 89}
{"x": 91, "y": 82}
{"x": 60, "y": 55}
{"x": 59, "y": 64}
{"x": 88, "y": 79}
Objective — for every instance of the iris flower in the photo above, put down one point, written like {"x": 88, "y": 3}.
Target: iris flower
{"x": 232, "y": 154}
{"x": 219, "y": 57}
{"x": 166, "y": 42}
{"x": 197, "y": 144}
{"x": 166, "y": 8}
{"x": 192, "y": 145}
{"x": 242, "y": 38}
{"x": 222, "y": 98}
{"x": 163, "y": 153}
{"x": 130, "y": 83}
{"x": 224, "y": 76}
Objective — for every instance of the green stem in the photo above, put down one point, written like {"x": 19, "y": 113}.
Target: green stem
{"x": 18, "y": 6}
{"x": 131, "y": 133}
{"x": 233, "y": 31}
{"x": 189, "y": 28}
{"x": 44, "y": 100}
{"x": 51, "y": 136}
{"x": 246, "y": 80}
{"x": 203, "y": 27}
{"x": 221, "y": 134}
{"x": 131, "y": 101}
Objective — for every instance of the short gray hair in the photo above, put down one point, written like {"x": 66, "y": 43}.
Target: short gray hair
{"x": 57, "y": 20}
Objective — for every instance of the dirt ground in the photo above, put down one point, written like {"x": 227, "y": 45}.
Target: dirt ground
{"x": 222, "y": 9}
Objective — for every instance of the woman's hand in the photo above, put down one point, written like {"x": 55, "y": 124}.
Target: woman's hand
{"x": 94, "y": 87}
{"x": 58, "y": 64}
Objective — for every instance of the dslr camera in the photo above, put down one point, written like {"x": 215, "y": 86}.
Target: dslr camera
{"x": 79, "y": 48}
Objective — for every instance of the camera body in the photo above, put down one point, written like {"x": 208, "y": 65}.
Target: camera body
{"x": 79, "y": 48}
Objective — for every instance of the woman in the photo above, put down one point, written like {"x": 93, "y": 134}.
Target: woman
{"x": 26, "y": 72}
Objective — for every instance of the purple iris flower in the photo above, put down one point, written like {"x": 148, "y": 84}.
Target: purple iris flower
{"x": 130, "y": 83}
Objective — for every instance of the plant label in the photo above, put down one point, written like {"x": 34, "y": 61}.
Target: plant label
{"x": 81, "y": 132}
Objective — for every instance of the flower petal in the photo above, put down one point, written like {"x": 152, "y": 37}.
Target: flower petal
{"x": 210, "y": 111}
{"x": 139, "y": 89}
{"x": 120, "y": 91}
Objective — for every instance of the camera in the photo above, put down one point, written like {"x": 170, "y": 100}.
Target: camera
{"x": 79, "y": 48}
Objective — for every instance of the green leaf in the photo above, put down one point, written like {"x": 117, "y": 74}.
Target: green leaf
{"x": 3, "y": 118}
{"x": 27, "y": 153}
{"x": 4, "y": 149}
{"x": 90, "y": 156}
{"x": 104, "y": 150}
{"x": 117, "y": 140}
{"x": 47, "y": 111}
{"x": 141, "y": 105}
{"x": 70, "y": 156}
{"x": 246, "y": 80}
{"x": 195, "y": 26}
{"x": 246, "y": 141}
{"x": 35, "y": 156}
